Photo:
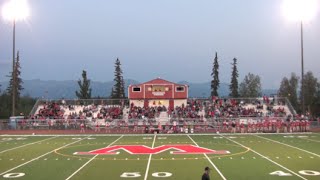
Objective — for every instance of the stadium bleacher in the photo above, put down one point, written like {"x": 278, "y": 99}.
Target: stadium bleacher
{"x": 200, "y": 115}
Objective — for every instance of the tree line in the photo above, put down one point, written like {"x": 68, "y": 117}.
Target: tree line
{"x": 23, "y": 104}
{"x": 289, "y": 88}
{"x": 249, "y": 87}
{"x": 118, "y": 89}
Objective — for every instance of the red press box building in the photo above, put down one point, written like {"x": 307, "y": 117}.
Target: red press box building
{"x": 158, "y": 92}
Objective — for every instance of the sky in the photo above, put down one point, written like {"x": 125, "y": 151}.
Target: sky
{"x": 175, "y": 40}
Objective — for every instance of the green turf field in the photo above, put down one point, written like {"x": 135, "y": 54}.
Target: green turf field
{"x": 254, "y": 156}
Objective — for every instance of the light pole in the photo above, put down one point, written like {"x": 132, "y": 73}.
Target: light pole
{"x": 15, "y": 10}
{"x": 14, "y": 69}
{"x": 302, "y": 11}
{"x": 302, "y": 69}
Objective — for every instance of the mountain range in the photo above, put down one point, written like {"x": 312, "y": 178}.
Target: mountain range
{"x": 51, "y": 89}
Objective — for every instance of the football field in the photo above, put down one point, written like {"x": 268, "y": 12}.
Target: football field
{"x": 162, "y": 156}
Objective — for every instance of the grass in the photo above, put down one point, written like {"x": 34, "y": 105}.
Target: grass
{"x": 252, "y": 156}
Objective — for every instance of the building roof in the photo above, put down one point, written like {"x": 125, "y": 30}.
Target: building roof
{"x": 159, "y": 81}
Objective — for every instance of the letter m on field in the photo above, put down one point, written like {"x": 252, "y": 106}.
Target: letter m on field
{"x": 141, "y": 149}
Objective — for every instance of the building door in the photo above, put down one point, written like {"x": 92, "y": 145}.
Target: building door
{"x": 171, "y": 104}
{"x": 146, "y": 103}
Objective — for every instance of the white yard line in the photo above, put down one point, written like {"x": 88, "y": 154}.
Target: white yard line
{"x": 27, "y": 144}
{"x": 289, "y": 146}
{"x": 41, "y": 156}
{"x": 265, "y": 157}
{"x": 215, "y": 167}
{"x": 149, "y": 160}
{"x": 90, "y": 160}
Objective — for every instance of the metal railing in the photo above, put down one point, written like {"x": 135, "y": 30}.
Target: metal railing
{"x": 292, "y": 110}
{"x": 72, "y": 124}
{"x": 35, "y": 107}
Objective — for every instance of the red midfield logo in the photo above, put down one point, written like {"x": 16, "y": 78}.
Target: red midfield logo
{"x": 141, "y": 149}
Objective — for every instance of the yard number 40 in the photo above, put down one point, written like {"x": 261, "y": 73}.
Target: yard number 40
{"x": 302, "y": 172}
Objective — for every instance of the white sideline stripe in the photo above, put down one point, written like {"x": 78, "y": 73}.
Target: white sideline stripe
{"x": 215, "y": 167}
{"x": 266, "y": 158}
{"x": 149, "y": 160}
{"x": 290, "y": 146}
{"x": 202, "y": 134}
{"x": 90, "y": 160}
{"x": 27, "y": 144}
{"x": 40, "y": 156}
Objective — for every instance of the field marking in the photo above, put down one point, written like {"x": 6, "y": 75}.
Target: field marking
{"x": 149, "y": 160}
{"x": 27, "y": 144}
{"x": 39, "y": 157}
{"x": 266, "y": 158}
{"x": 289, "y": 146}
{"x": 20, "y": 136}
{"x": 309, "y": 139}
{"x": 215, "y": 167}
{"x": 131, "y": 135}
{"x": 90, "y": 160}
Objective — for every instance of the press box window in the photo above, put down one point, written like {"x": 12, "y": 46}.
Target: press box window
{"x": 136, "y": 89}
{"x": 180, "y": 89}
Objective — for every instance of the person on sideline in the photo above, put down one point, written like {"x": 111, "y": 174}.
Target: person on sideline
{"x": 205, "y": 175}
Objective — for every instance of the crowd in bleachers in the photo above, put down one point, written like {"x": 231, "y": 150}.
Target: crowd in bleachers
{"x": 231, "y": 108}
{"x": 110, "y": 113}
{"x": 49, "y": 111}
{"x": 190, "y": 111}
{"x": 136, "y": 112}
{"x": 267, "y": 115}
{"x": 54, "y": 110}
{"x": 216, "y": 108}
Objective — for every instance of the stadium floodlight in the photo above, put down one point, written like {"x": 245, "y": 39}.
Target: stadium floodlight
{"x": 15, "y": 10}
{"x": 301, "y": 11}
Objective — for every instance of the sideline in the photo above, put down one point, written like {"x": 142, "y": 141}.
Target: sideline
{"x": 182, "y": 134}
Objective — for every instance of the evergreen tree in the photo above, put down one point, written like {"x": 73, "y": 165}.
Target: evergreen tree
{"x": 215, "y": 74}
{"x": 310, "y": 89}
{"x": 234, "y": 80}
{"x": 118, "y": 87}
{"x": 250, "y": 86}
{"x": 25, "y": 105}
{"x": 315, "y": 108}
{"x": 288, "y": 88}
{"x": 84, "y": 85}
{"x": 122, "y": 91}
{"x": 15, "y": 83}
{"x": 112, "y": 93}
